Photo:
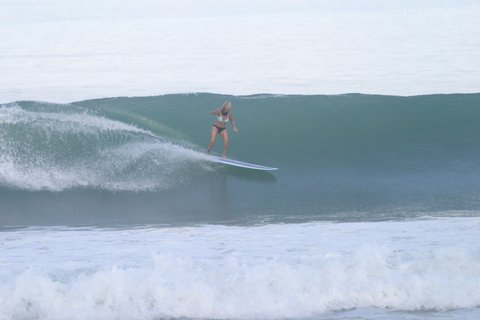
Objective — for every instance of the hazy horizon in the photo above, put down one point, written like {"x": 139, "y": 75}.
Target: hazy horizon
{"x": 63, "y": 51}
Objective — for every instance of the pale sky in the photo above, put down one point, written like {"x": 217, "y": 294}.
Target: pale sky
{"x": 18, "y": 11}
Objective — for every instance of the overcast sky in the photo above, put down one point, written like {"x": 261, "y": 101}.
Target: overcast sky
{"x": 21, "y": 11}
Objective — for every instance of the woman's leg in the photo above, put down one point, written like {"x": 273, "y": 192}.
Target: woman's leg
{"x": 224, "y": 135}
{"x": 213, "y": 134}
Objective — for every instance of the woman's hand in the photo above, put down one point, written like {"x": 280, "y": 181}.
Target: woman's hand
{"x": 235, "y": 129}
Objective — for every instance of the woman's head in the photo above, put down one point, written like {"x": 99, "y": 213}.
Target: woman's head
{"x": 227, "y": 105}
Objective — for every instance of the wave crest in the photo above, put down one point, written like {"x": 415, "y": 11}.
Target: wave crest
{"x": 71, "y": 148}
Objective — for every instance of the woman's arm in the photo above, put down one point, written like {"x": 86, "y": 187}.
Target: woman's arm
{"x": 215, "y": 112}
{"x": 233, "y": 123}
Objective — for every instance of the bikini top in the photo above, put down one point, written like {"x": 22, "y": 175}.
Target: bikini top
{"x": 222, "y": 115}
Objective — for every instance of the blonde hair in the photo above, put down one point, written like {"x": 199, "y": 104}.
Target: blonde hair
{"x": 227, "y": 105}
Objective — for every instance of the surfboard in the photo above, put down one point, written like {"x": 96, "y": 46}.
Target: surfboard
{"x": 240, "y": 164}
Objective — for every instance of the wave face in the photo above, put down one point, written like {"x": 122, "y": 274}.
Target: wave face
{"x": 336, "y": 154}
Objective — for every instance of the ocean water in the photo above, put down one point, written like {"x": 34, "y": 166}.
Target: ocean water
{"x": 384, "y": 270}
{"x": 110, "y": 209}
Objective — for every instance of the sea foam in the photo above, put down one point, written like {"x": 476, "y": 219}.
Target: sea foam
{"x": 218, "y": 272}
{"x": 67, "y": 147}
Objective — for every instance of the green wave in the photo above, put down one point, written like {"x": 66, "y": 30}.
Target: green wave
{"x": 353, "y": 131}
{"x": 341, "y": 153}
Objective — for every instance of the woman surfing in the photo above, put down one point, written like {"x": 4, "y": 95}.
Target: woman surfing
{"x": 224, "y": 115}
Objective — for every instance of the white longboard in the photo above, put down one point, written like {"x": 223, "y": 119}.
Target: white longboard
{"x": 240, "y": 164}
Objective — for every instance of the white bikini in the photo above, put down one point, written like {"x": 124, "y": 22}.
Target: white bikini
{"x": 222, "y": 119}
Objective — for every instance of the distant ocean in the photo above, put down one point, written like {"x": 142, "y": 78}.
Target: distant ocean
{"x": 109, "y": 208}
